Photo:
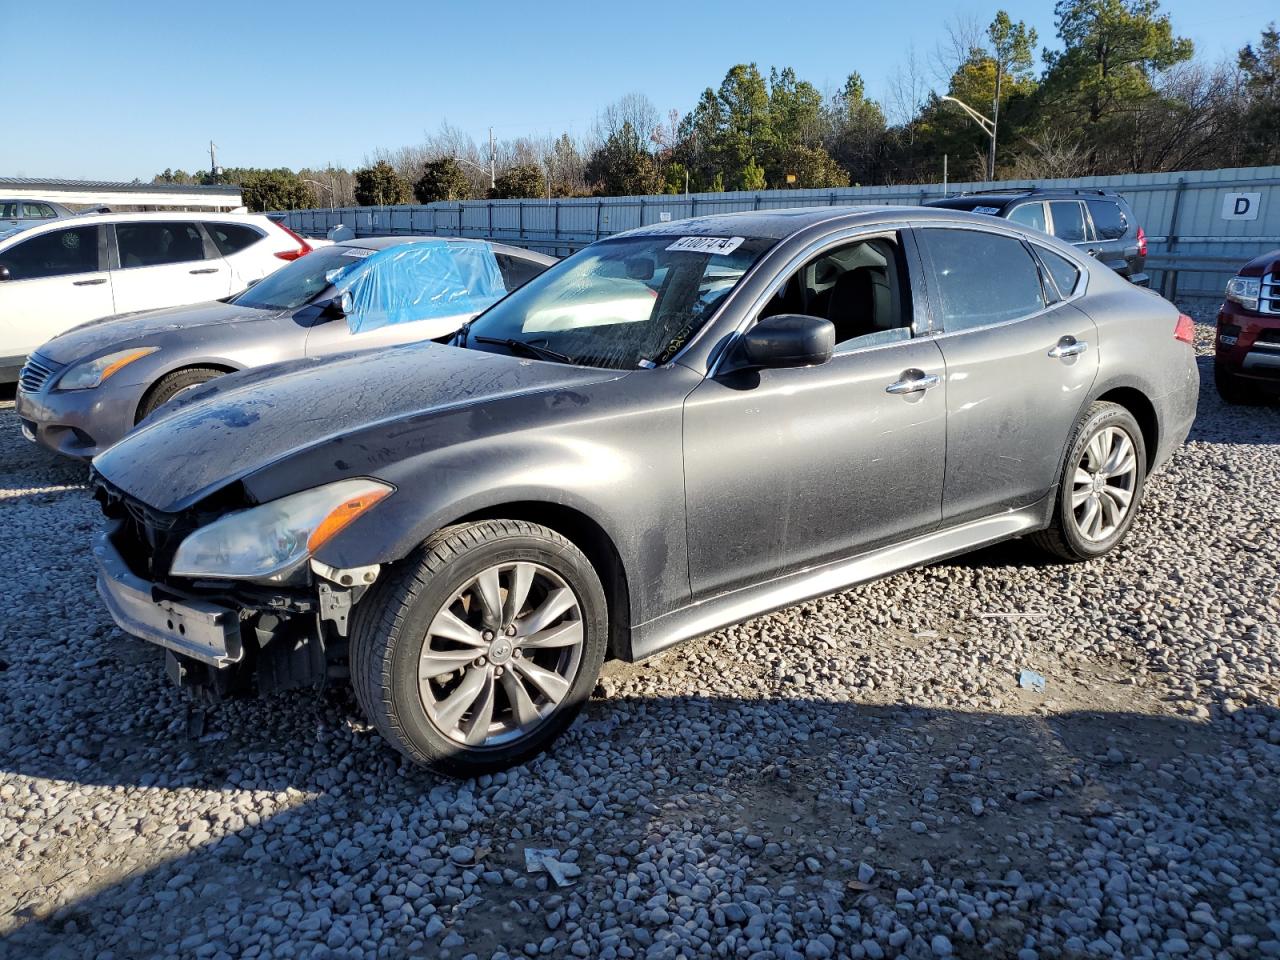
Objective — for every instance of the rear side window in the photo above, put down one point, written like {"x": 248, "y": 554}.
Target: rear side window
{"x": 516, "y": 271}
{"x": 1030, "y": 215}
{"x": 58, "y": 253}
{"x": 1065, "y": 273}
{"x": 1068, "y": 220}
{"x": 37, "y": 211}
{"x": 1108, "y": 219}
{"x": 154, "y": 244}
{"x": 981, "y": 278}
{"x": 231, "y": 238}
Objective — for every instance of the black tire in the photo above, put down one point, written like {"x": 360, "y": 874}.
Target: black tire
{"x": 390, "y": 628}
{"x": 172, "y": 384}
{"x": 1231, "y": 390}
{"x": 1064, "y": 538}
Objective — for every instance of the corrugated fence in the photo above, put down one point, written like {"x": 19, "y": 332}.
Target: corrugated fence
{"x": 1200, "y": 224}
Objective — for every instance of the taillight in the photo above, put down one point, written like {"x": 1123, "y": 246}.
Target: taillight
{"x": 303, "y": 247}
{"x": 1142, "y": 242}
{"x": 1185, "y": 329}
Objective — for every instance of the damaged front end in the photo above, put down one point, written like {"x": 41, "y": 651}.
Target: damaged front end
{"x": 224, "y": 635}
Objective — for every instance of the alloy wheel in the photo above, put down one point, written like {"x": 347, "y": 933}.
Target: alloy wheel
{"x": 501, "y": 655}
{"x": 1103, "y": 484}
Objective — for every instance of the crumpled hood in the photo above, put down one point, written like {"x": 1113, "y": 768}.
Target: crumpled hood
{"x": 130, "y": 329}
{"x": 249, "y": 420}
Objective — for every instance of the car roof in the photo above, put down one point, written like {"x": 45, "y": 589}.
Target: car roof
{"x": 779, "y": 224}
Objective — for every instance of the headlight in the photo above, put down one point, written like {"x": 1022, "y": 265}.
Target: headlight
{"x": 87, "y": 375}
{"x": 1245, "y": 291}
{"x": 267, "y": 542}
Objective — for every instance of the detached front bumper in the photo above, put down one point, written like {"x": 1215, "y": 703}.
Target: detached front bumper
{"x": 203, "y": 631}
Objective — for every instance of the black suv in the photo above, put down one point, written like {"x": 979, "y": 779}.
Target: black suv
{"x": 1099, "y": 222}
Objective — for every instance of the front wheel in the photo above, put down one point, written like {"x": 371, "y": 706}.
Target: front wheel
{"x": 1100, "y": 487}
{"x": 482, "y": 647}
{"x": 1230, "y": 389}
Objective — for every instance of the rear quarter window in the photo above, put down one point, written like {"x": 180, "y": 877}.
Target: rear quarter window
{"x": 1109, "y": 221}
{"x": 231, "y": 238}
{"x": 1065, "y": 273}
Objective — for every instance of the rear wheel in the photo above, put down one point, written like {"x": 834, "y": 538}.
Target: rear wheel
{"x": 173, "y": 384}
{"x": 1100, "y": 487}
{"x": 481, "y": 648}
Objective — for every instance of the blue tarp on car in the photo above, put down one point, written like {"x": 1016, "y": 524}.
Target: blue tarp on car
{"x": 418, "y": 281}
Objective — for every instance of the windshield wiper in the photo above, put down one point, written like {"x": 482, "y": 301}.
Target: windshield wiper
{"x": 528, "y": 349}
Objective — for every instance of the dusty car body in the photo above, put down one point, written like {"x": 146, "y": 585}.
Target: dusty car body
{"x": 149, "y": 358}
{"x": 817, "y": 398}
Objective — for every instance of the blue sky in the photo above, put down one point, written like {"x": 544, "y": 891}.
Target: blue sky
{"x": 113, "y": 91}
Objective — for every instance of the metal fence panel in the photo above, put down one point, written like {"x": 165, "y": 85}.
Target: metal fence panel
{"x": 1194, "y": 245}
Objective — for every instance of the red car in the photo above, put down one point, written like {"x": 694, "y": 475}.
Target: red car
{"x": 1246, "y": 364}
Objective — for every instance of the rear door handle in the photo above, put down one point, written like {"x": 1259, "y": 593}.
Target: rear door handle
{"x": 89, "y": 283}
{"x": 913, "y": 381}
{"x": 205, "y": 270}
{"x": 1068, "y": 347}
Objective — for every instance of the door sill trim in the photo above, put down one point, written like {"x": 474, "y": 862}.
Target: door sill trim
{"x": 715, "y": 613}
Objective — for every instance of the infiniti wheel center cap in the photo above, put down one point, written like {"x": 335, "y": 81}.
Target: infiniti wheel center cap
{"x": 500, "y": 650}
{"x": 1099, "y": 482}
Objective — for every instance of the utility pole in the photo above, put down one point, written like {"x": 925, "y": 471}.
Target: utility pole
{"x": 493, "y": 162}
{"x": 213, "y": 159}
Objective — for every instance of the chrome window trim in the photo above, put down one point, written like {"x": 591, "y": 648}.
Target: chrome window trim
{"x": 798, "y": 260}
{"x": 1081, "y": 286}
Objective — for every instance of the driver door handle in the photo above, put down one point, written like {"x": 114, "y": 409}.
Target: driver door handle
{"x": 205, "y": 270}
{"x": 913, "y": 381}
{"x": 89, "y": 283}
{"x": 1068, "y": 347}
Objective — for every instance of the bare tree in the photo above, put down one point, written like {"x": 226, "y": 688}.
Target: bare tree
{"x": 1051, "y": 154}
{"x": 963, "y": 34}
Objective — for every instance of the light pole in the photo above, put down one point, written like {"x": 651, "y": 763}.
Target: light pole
{"x": 490, "y": 170}
{"x": 988, "y": 126}
{"x": 327, "y": 186}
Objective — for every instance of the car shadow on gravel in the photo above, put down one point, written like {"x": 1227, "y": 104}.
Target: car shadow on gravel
{"x": 307, "y": 814}
{"x": 1220, "y": 422}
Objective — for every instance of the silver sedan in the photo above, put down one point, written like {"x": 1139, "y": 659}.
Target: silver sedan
{"x": 82, "y": 391}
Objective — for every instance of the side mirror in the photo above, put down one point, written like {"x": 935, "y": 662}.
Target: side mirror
{"x": 786, "y": 340}
{"x": 4, "y": 273}
{"x": 338, "y": 307}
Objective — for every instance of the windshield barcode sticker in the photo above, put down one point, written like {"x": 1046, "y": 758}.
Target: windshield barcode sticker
{"x": 717, "y": 245}
{"x": 990, "y": 211}
{"x": 358, "y": 252}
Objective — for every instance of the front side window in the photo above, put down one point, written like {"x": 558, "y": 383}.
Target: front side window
{"x": 1108, "y": 219}
{"x": 1068, "y": 220}
{"x": 517, "y": 271}
{"x": 1030, "y": 215}
{"x": 624, "y": 303}
{"x": 58, "y": 253}
{"x": 231, "y": 238}
{"x": 154, "y": 244}
{"x": 980, "y": 278}
{"x": 860, "y": 287}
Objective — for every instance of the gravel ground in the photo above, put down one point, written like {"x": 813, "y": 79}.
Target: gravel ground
{"x": 860, "y": 776}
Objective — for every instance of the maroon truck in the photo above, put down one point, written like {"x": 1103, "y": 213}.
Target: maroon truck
{"x": 1246, "y": 364}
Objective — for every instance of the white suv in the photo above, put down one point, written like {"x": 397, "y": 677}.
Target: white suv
{"x": 62, "y": 273}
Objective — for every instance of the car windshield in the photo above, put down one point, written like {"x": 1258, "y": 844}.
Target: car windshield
{"x": 625, "y": 303}
{"x": 293, "y": 285}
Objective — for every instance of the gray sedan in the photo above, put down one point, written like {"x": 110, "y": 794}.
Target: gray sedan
{"x": 673, "y": 430}
{"x": 83, "y": 390}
